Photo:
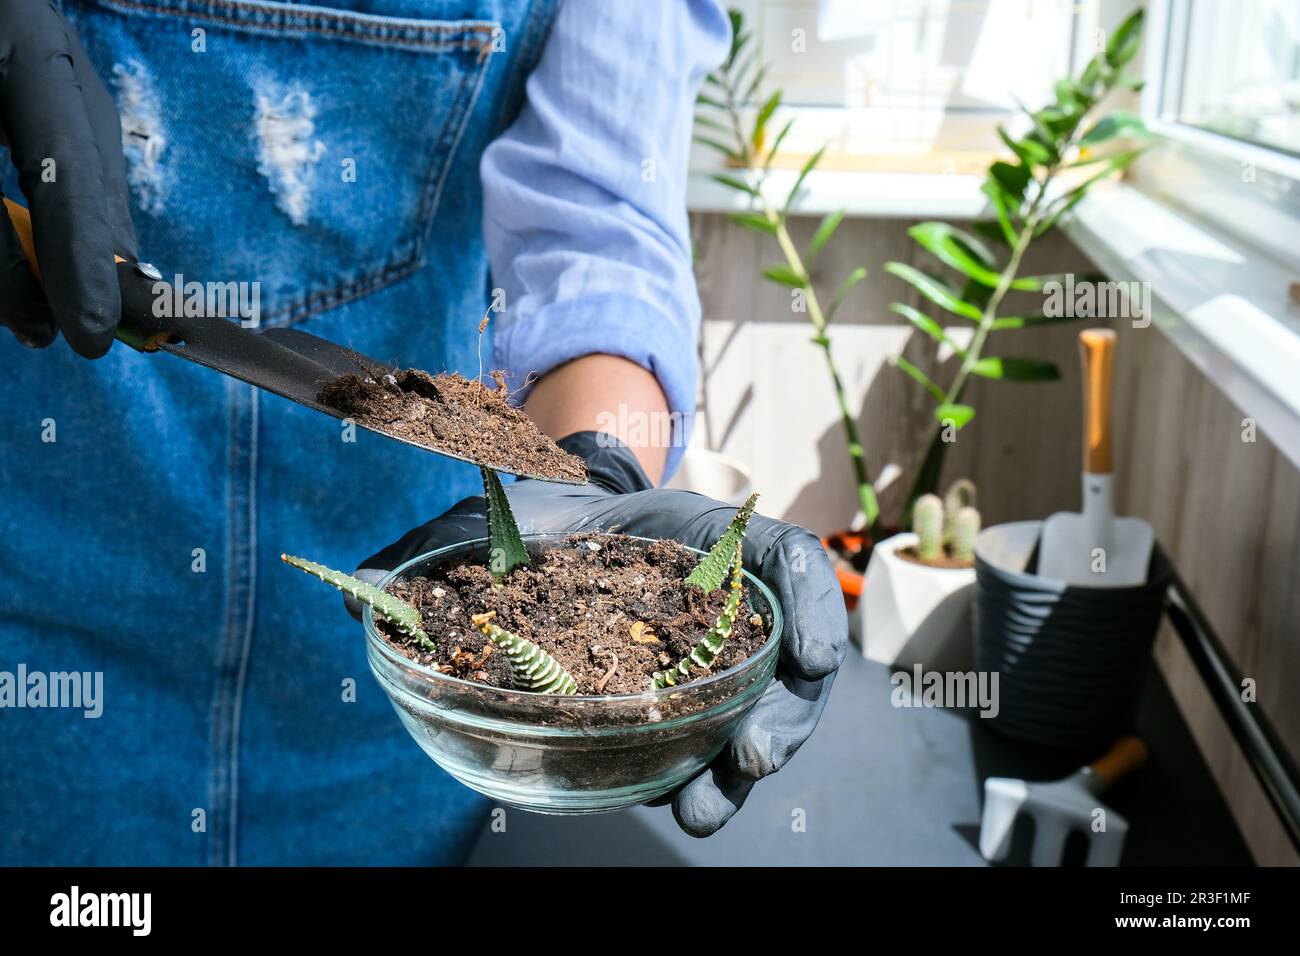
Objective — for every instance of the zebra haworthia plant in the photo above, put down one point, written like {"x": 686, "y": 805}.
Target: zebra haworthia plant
{"x": 531, "y": 668}
{"x": 706, "y": 651}
{"x": 394, "y": 610}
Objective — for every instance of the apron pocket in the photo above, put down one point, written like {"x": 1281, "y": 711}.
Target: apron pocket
{"x": 301, "y": 148}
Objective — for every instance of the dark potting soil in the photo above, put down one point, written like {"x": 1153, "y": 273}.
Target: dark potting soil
{"x": 945, "y": 560}
{"x": 456, "y": 414}
{"x": 610, "y": 609}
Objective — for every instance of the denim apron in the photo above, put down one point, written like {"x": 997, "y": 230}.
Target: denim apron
{"x": 332, "y": 156}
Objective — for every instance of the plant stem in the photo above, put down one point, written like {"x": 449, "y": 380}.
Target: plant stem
{"x": 857, "y": 455}
{"x": 749, "y": 159}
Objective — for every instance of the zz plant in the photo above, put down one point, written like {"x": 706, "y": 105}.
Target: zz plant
{"x": 1026, "y": 198}
{"x": 531, "y": 668}
{"x": 1024, "y": 195}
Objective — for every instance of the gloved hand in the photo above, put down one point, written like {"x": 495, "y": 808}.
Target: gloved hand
{"x": 63, "y": 133}
{"x": 787, "y": 558}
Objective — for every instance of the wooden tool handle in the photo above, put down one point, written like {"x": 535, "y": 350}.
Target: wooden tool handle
{"x": 143, "y": 335}
{"x": 1126, "y": 755}
{"x": 1097, "y": 354}
{"x": 22, "y": 223}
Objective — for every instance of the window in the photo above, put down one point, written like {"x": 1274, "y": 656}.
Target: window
{"x": 1234, "y": 69}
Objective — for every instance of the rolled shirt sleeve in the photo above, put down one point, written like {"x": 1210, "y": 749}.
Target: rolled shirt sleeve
{"x": 584, "y": 203}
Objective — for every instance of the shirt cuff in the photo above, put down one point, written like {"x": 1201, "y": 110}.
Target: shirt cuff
{"x": 609, "y": 324}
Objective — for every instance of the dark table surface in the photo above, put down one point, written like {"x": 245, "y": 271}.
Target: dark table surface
{"x": 880, "y": 785}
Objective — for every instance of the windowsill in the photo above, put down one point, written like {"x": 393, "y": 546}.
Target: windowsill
{"x": 874, "y": 194}
{"x": 1225, "y": 305}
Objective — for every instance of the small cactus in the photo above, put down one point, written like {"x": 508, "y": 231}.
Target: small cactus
{"x": 531, "y": 668}
{"x": 394, "y": 610}
{"x": 706, "y": 651}
{"x": 927, "y": 522}
{"x": 960, "y": 494}
{"x": 965, "y": 528}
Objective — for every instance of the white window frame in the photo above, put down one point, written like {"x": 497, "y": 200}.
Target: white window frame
{"x": 1166, "y": 42}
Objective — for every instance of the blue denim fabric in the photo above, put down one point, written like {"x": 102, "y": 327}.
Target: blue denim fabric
{"x": 224, "y": 689}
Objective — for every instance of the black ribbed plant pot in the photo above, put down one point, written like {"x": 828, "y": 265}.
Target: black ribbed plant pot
{"x": 1071, "y": 660}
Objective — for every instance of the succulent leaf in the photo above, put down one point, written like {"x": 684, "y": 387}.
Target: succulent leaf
{"x": 927, "y": 522}
{"x": 531, "y": 668}
{"x": 394, "y": 610}
{"x": 706, "y": 651}
{"x": 960, "y": 494}
{"x": 966, "y": 527}
{"x": 506, "y": 544}
{"x": 712, "y": 569}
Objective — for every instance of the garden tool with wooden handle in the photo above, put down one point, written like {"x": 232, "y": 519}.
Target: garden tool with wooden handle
{"x": 1094, "y": 548}
{"x": 1061, "y": 807}
{"x": 287, "y": 362}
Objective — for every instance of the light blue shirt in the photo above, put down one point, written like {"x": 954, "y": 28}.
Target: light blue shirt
{"x": 584, "y": 196}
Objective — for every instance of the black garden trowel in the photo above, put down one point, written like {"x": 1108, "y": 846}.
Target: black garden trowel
{"x": 286, "y": 362}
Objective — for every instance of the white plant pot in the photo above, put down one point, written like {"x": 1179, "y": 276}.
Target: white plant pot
{"x": 913, "y": 614}
{"x": 714, "y": 475}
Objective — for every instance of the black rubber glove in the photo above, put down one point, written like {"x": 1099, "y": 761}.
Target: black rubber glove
{"x": 787, "y": 558}
{"x": 63, "y": 133}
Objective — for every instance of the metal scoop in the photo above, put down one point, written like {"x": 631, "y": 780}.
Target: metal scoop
{"x": 286, "y": 362}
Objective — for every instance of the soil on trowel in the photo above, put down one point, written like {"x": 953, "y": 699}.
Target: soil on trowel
{"x": 612, "y": 610}
{"x": 456, "y": 415}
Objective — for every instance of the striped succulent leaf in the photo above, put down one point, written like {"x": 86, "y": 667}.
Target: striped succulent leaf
{"x": 393, "y": 609}
{"x": 706, "y": 651}
{"x": 531, "y": 668}
{"x": 712, "y": 569}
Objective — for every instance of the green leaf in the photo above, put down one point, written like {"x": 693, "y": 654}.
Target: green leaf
{"x": 405, "y": 617}
{"x": 1091, "y": 73}
{"x": 1029, "y": 151}
{"x": 958, "y": 249}
{"x": 507, "y": 549}
{"x": 764, "y": 114}
{"x": 959, "y": 415}
{"x": 712, "y": 568}
{"x": 920, "y": 377}
{"x": 709, "y": 122}
{"x": 808, "y": 167}
{"x": 934, "y": 290}
{"x": 1016, "y": 369}
{"x": 824, "y": 233}
{"x": 1013, "y": 180}
{"x": 785, "y": 275}
{"x": 723, "y": 148}
{"x": 776, "y": 145}
{"x": 1119, "y": 123}
{"x": 1005, "y": 223}
{"x": 845, "y": 287}
{"x": 1030, "y": 321}
{"x": 1123, "y": 43}
{"x": 992, "y": 231}
{"x": 738, "y": 184}
{"x": 1115, "y": 163}
{"x": 755, "y": 221}
{"x": 923, "y": 322}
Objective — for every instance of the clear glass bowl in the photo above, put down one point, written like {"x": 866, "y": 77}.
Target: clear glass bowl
{"x": 568, "y": 755}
